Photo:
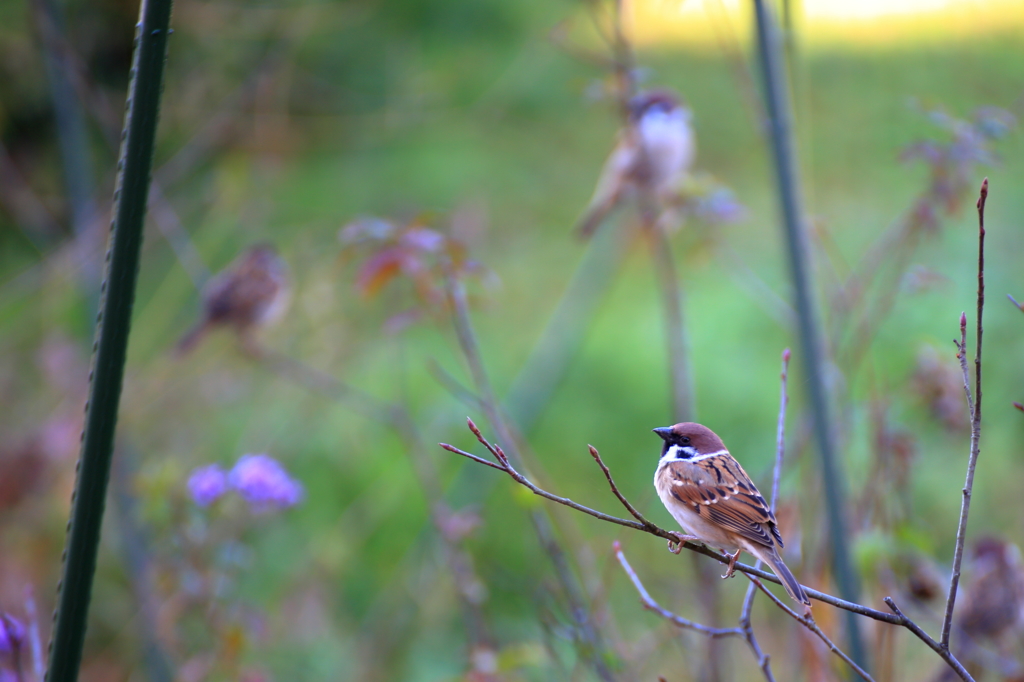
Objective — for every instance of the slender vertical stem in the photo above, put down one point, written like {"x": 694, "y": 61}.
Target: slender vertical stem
{"x": 777, "y": 100}
{"x": 681, "y": 405}
{"x": 111, "y": 345}
{"x": 780, "y": 452}
{"x": 135, "y": 557}
{"x": 563, "y": 336}
{"x": 972, "y": 461}
{"x": 72, "y": 135}
{"x": 780, "y": 430}
{"x": 593, "y": 646}
{"x": 675, "y": 328}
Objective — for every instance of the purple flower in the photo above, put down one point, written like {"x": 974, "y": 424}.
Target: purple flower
{"x": 207, "y": 484}
{"x": 12, "y": 633}
{"x": 264, "y": 483}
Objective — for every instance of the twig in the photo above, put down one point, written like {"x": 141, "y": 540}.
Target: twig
{"x": 615, "y": 489}
{"x": 1014, "y": 302}
{"x": 942, "y": 651}
{"x": 456, "y": 293}
{"x": 780, "y": 430}
{"x": 975, "y": 409}
{"x": 961, "y": 355}
{"x": 505, "y": 466}
{"x": 780, "y": 451}
{"x": 763, "y": 660}
{"x": 809, "y": 623}
{"x": 678, "y": 621}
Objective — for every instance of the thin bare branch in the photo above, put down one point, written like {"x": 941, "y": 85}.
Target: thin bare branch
{"x": 615, "y": 489}
{"x": 575, "y": 596}
{"x": 942, "y": 651}
{"x": 522, "y": 480}
{"x": 1014, "y": 302}
{"x": 961, "y": 355}
{"x": 763, "y": 660}
{"x": 479, "y": 460}
{"x": 651, "y": 605}
{"x": 972, "y": 462}
{"x": 780, "y": 451}
{"x": 780, "y": 430}
{"x": 809, "y": 623}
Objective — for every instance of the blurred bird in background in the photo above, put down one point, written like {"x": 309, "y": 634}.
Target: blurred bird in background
{"x": 252, "y": 292}
{"x": 990, "y": 610}
{"x": 994, "y": 594}
{"x": 652, "y": 158}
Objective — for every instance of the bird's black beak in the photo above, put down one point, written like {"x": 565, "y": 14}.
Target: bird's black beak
{"x": 663, "y": 431}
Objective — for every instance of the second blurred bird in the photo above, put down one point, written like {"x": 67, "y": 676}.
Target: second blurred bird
{"x": 252, "y": 292}
{"x": 652, "y": 157}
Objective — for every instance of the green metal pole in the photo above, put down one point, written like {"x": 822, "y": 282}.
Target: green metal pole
{"x": 776, "y": 94}
{"x": 110, "y": 348}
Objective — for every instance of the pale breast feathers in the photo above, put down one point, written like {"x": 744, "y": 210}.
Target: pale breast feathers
{"x": 719, "y": 488}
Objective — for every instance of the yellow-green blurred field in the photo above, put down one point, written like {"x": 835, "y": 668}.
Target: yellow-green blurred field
{"x": 415, "y": 108}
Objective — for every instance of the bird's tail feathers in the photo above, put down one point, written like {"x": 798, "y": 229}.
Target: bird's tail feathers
{"x": 789, "y": 581}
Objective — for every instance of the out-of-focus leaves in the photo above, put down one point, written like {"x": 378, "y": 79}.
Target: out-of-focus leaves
{"x": 411, "y": 256}
{"x": 952, "y": 160}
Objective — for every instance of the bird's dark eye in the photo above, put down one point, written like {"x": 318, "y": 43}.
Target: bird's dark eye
{"x": 685, "y": 440}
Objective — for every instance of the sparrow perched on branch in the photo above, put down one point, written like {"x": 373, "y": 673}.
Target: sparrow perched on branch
{"x": 710, "y": 495}
{"x": 251, "y": 292}
{"x": 653, "y": 154}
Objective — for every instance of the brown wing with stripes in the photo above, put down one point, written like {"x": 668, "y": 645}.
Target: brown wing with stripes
{"x": 719, "y": 487}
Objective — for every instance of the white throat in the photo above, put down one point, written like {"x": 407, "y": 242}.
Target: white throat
{"x": 687, "y": 454}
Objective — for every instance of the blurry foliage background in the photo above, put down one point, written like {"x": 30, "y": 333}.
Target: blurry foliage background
{"x": 316, "y": 113}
